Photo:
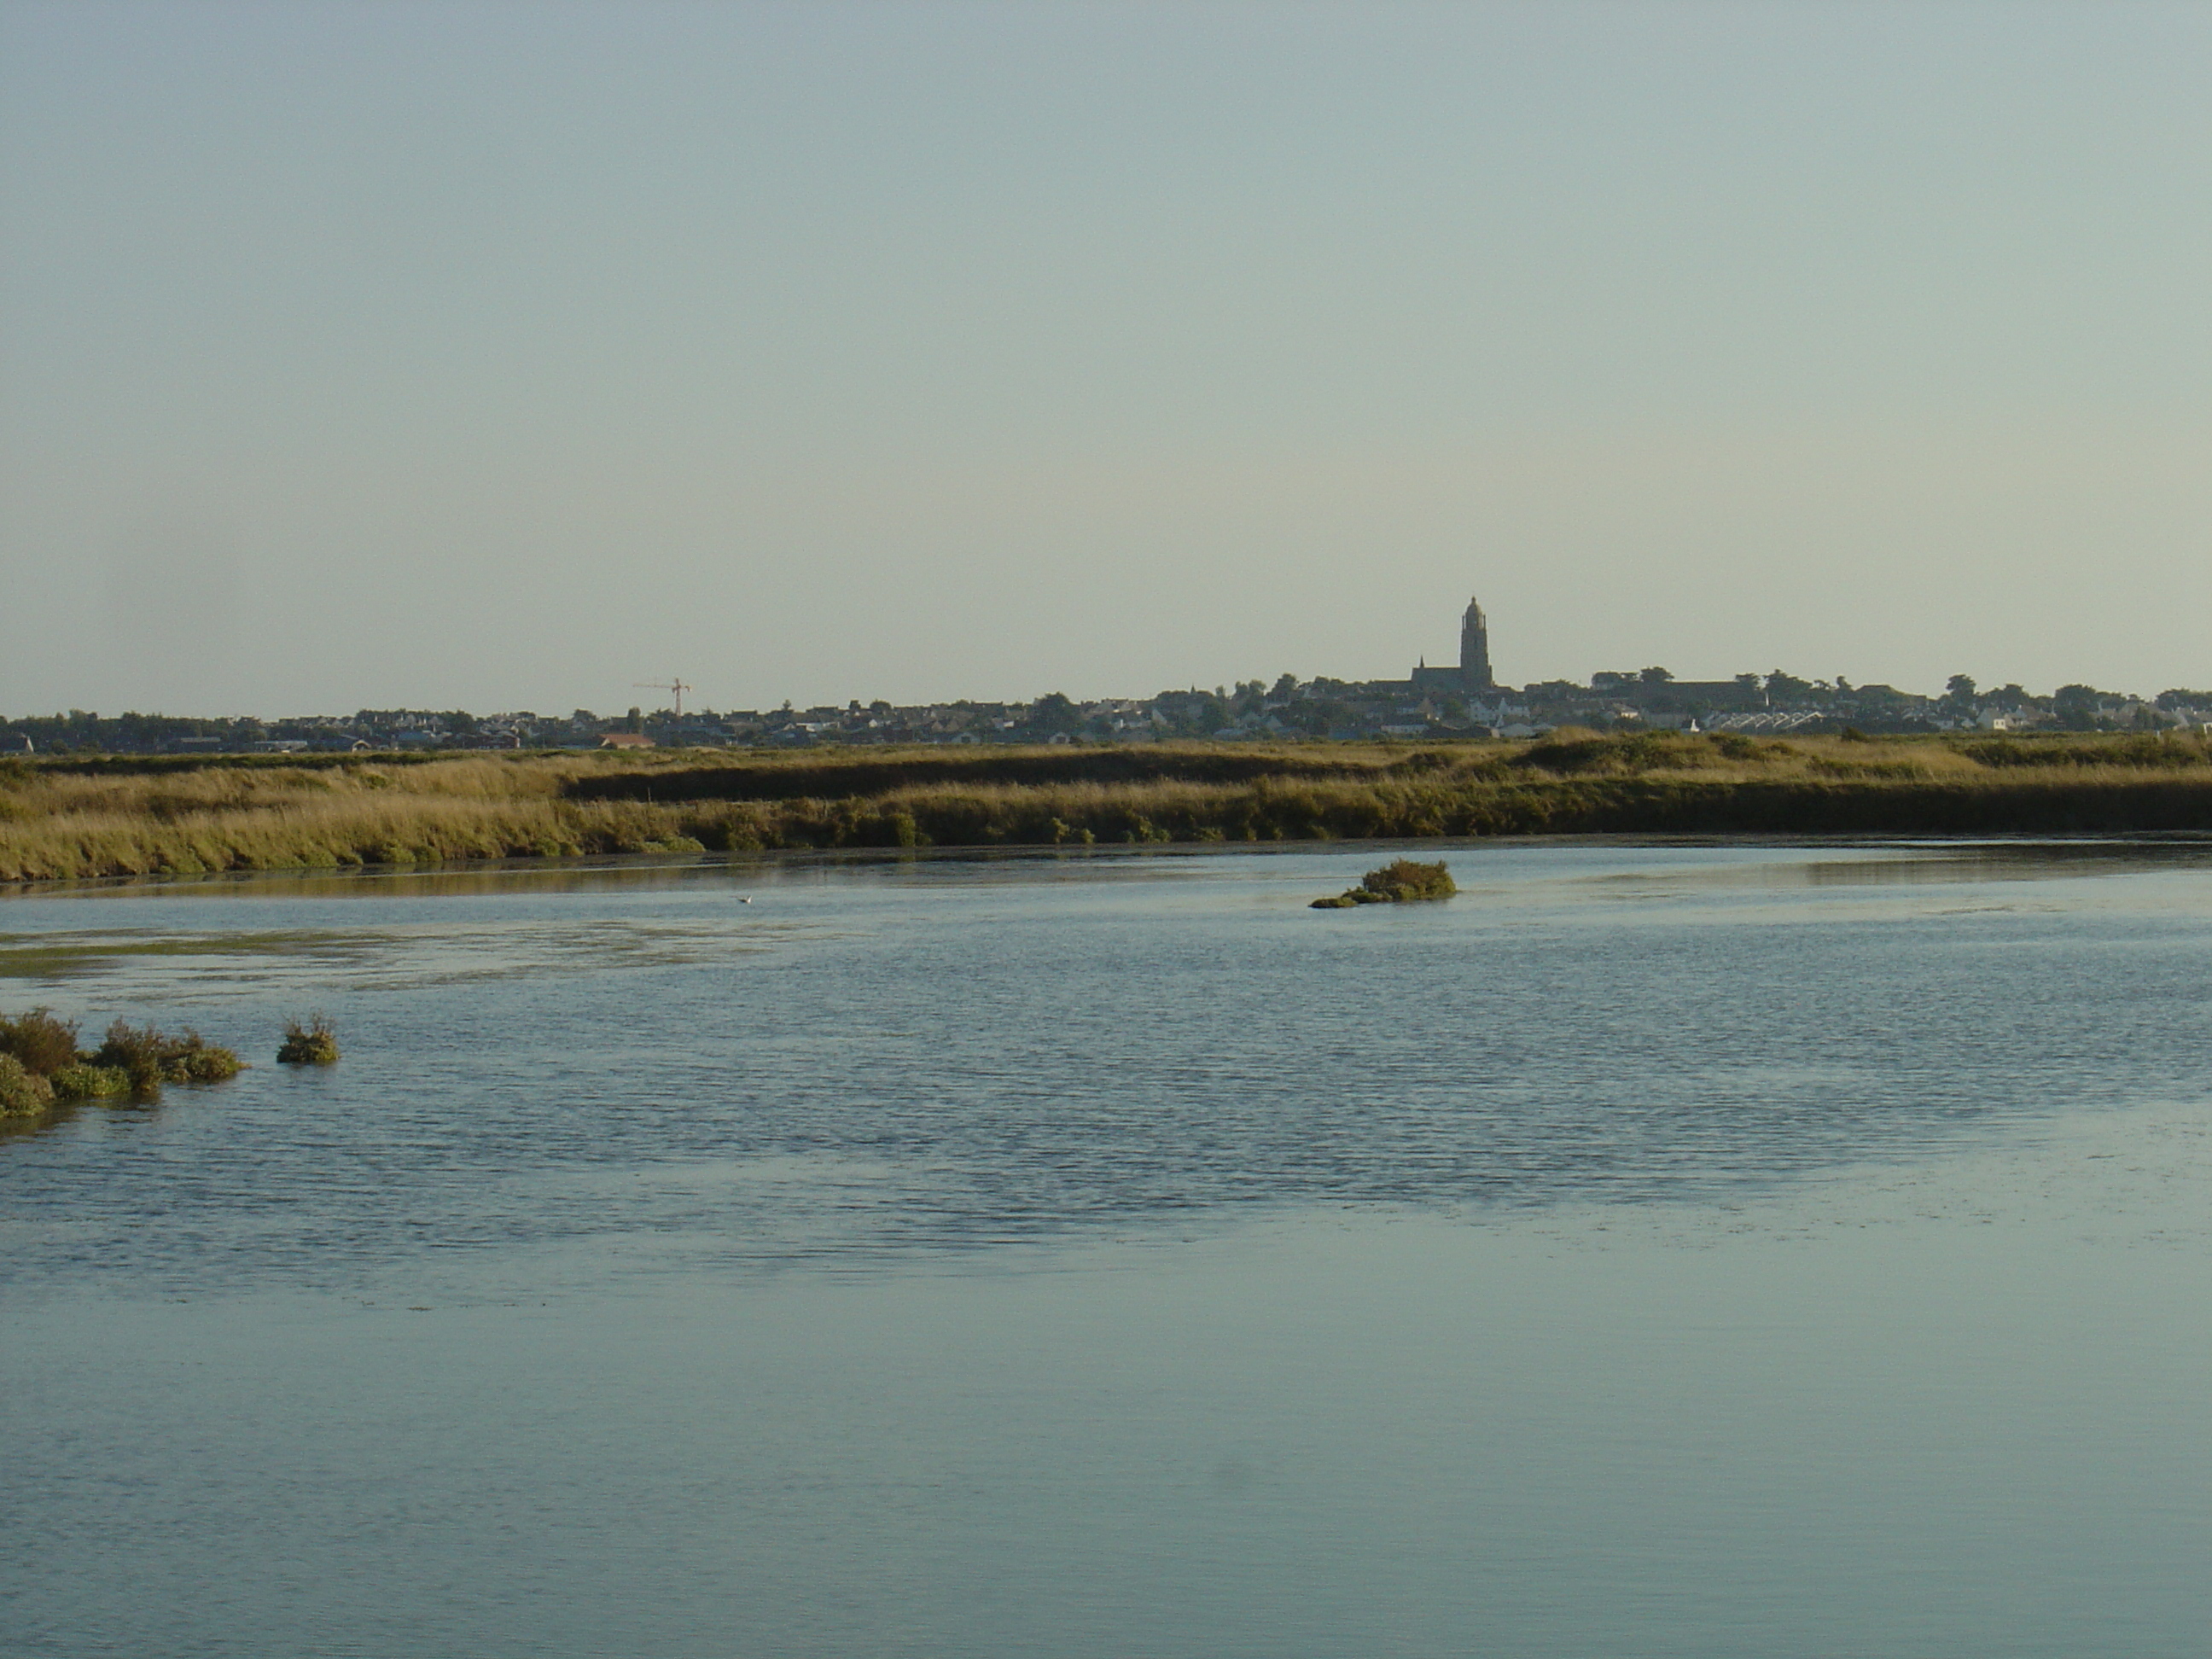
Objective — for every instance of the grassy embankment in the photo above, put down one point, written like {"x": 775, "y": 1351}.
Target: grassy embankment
{"x": 65, "y": 817}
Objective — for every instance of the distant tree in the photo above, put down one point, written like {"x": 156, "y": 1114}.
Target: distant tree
{"x": 2077, "y": 705}
{"x": 634, "y": 720}
{"x": 1749, "y": 681}
{"x": 1959, "y": 690}
{"x": 1056, "y": 712}
{"x": 1284, "y": 689}
{"x": 1786, "y": 688}
{"x": 1655, "y": 676}
{"x": 459, "y": 721}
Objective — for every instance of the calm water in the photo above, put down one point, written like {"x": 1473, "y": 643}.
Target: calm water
{"x": 1653, "y": 1251}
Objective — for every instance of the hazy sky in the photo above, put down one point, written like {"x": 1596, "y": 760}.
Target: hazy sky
{"x": 502, "y": 356}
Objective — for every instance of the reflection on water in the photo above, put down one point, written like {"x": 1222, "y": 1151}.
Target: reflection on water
{"x": 1656, "y": 1249}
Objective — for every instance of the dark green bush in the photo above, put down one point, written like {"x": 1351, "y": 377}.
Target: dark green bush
{"x": 43, "y": 1044}
{"x": 137, "y": 1053}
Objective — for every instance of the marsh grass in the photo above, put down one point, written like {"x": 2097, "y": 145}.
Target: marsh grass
{"x": 64, "y": 822}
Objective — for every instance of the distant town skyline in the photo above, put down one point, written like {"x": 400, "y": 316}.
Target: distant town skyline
{"x": 1442, "y": 701}
{"x": 1471, "y": 680}
{"x": 480, "y": 355}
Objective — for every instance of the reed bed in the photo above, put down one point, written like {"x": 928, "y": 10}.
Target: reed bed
{"x": 59, "y": 820}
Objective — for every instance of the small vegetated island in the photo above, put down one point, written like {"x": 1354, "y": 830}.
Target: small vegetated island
{"x": 312, "y": 1044}
{"x": 41, "y": 1062}
{"x": 42, "y": 1067}
{"x": 76, "y": 817}
{"x": 1397, "y": 883}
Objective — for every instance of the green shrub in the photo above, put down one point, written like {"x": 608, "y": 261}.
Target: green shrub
{"x": 1395, "y": 882}
{"x": 312, "y": 1044}
{"x": 193, "y": 1060}
{"x": 150, "y": 1058}
{"x": 1405, "y": 878}
{"x": 43, "y": 1044}
{"x": 137, "y": 1053}
{"x": 23, "y": 1092}
{"x": 83, "y": 1082}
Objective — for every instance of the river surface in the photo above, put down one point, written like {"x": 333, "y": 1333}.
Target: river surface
{"x": 1655, "y": 1250}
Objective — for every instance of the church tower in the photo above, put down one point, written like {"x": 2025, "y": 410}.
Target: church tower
{"x": 1475, "y": 650}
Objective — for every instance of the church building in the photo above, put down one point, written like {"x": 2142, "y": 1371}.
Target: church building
{"x": 1473, "y": 674}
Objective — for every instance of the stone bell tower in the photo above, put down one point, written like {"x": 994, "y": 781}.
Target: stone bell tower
{"x": 1475, "y": 650}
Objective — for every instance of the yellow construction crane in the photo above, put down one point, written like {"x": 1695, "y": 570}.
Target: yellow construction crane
{"x": 675, "y": 688}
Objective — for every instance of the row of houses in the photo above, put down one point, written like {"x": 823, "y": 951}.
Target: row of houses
{"x": 1288, "y": 710}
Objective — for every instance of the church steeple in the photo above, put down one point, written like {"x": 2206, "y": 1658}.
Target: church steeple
{"x": 1475, "y": 649}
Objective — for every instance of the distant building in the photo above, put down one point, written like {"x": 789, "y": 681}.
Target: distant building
{"x": 1473, "y": 673}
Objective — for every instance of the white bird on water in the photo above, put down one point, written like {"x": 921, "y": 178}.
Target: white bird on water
{"x": 744, "y": 898}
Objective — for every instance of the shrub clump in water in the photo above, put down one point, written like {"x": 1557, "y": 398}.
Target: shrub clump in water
{"x": 23, "y": 1092}
{"x": 1395, "y": 883}
{"x": 41, "y": 1043}
{"x": 84, "y": 1081}
{"x": 150, "y": 1058}
{"x": 43, "y": 1064}
{"x": 312, "y": 1044}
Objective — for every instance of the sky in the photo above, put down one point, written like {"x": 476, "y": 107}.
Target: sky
{"x": 504, "y": 356}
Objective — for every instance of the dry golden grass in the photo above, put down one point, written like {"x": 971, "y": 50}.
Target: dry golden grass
{"x": 59, "y": 820}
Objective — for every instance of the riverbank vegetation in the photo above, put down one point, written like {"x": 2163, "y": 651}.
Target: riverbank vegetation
{"x": 63, "y": 818}
{"x": 1400, "y": 882}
